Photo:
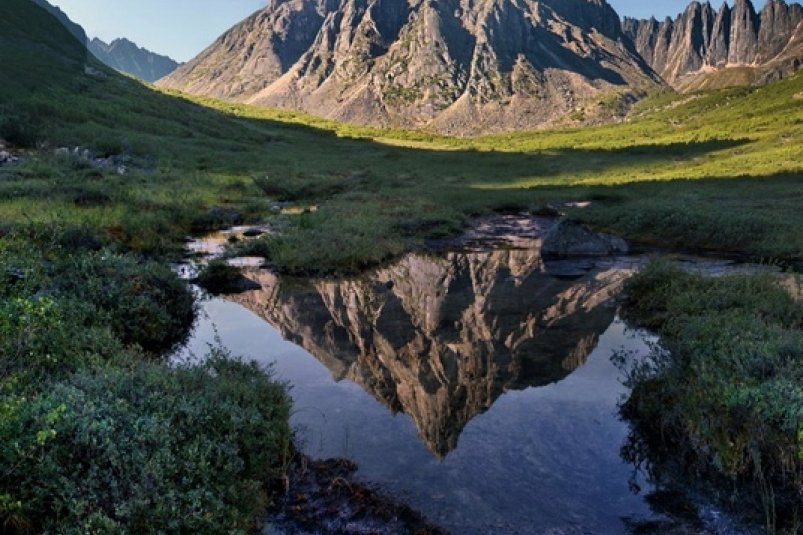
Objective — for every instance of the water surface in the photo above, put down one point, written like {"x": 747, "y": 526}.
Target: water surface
{"x": 477, "y": 386}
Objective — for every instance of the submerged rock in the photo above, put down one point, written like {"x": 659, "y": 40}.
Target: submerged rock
{"x": 569, "y": 238}
{"x": 325, "y": 498}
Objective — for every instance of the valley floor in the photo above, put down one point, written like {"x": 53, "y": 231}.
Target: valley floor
{"x": 88, "y": 306}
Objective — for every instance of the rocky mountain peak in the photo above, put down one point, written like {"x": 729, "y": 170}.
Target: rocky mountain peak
{"x": 452, "y": 65}
{"x": 730, "y": 46}
{"x": 126, "y": 56}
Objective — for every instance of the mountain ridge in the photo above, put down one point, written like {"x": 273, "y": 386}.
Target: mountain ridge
{"x": 126, "y": 56}
{"x": 453, "y": 66}
{"x": 706, "y": 48}
{"x": 121, "y": 54}
{"x": 467, "y": 67}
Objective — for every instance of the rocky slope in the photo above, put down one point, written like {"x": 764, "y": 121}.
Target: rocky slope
{"x": 125, "y": 56}
{"x": 704, "y": 48}
{"x": 452, "y": 65}
{"x": 441, "y": 338}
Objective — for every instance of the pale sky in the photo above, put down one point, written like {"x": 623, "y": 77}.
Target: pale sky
{"x": 182, "y": 28}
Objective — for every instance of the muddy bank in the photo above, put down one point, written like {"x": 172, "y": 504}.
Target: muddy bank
{"x": 323, "y": 498}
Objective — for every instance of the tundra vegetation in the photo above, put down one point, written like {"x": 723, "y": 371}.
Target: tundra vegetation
{"x": 95, "y": 426}
{"x": 719, "y": 402}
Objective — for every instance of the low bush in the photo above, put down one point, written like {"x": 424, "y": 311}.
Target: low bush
{"x": 96, "y": 436}
{"x": 220, "y": 277}
{"x": 143, "y": 302}
{"x": 723, "y": 394}
{"x": 143, "y": 449}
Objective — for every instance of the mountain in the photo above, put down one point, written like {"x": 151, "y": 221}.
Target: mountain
{"x": 125, "y": 56}
{"x": 456, "y": 66}
{"x": 440, "y": 338}
{"x": 704, "y": 48}
{"x": 76, "y": 30}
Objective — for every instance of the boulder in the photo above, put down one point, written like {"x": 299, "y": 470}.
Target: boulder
{"x": 7, "y": 157}
{"x": 253, "y": 232}
{"x": 569, "y": 238}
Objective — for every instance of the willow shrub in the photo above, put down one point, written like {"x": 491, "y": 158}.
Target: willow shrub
{"x": 723, "y": 394}
{"x": 143, "y": 449}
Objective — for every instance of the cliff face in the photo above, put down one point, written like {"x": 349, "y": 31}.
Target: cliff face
{"x": 125, "y": 56}
{"x": 454, "y": 65}
{"x": 732, "y": 46}
{"x": 440, "y": 339}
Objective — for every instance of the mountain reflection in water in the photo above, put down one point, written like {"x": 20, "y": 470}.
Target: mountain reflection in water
{"x": 440, "y": 338}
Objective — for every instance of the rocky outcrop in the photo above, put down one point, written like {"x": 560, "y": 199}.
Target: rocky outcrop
{"x": 441, "y": 338}
{"x": 567, "y": 239}
{"x": 127, "y": 57}
{"x": 451, "y": 65}
{"x": 704, "y": 48}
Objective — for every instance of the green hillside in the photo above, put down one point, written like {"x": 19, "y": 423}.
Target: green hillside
{"x": 97, "y": 433}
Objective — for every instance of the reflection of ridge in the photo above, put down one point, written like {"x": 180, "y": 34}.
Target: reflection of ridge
{"x": 441, "y": 338}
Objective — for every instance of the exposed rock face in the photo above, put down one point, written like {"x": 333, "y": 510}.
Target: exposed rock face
{"x": 453, "y": 65}
{"x": 731, "y": 46}
{"x": 441, "y": 338}
{"x": 125, "y": 56}
{"x": 255, "y": 53}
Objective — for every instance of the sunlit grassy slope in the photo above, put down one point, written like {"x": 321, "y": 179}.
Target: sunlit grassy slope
{"x": 732, "y": 132}
{"x": 381, "y": 191}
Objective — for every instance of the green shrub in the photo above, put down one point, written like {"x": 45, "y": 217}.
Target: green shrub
{"x": 144, "y": 302}
{"x": 19, "y": 128}
{"x": 145, "y": 449}
{"x": 43, "y": 334}
{"x": 723, "y": 394}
